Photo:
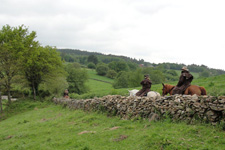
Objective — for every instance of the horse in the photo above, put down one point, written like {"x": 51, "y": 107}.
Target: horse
{"x": 191, "y": 90}
{"x": 151, "y": 94}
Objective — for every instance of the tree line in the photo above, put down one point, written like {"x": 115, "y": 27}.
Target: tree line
{"x": 29, "y": 69}
{"x": 81, "y": 57}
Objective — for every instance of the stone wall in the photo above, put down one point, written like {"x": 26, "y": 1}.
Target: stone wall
{"x": 179, "y": 107}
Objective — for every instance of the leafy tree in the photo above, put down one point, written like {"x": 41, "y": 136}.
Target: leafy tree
{"x": 112, "y": 65}
{"x": 102, "y": 69}
{"x": 91, "y": 65}
{"x": 121, "y": 66}
{"x": 55, "y": 86}
{"x": 111, "y": 74}
{"x": 132, "y": 66}
{"x": 39, "y": 62}
{"x": 121, "y": 80}
{"x": 77, "y": 78}
{"x": 205, "y": 73}
{"x": 93, "y": 58}
{"x": 135, "y": 78}
{"x": 118, "y": 66}
{"x": 13, "y": 41}
{"x": 156, "y": 76}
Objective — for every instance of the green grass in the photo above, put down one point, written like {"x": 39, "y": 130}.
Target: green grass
{"x": 49, "y": 127}
{"x": 215, "y": 86}
{"x": 195, "y": 75}
{"x": 93, "y": 75}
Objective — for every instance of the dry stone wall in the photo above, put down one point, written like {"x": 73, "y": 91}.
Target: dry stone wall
{"x": 178, "y": 107}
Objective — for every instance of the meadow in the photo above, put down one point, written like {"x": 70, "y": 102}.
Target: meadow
{"x": 34, "y": 125}
{"x": 43, "y": 125}
{"x": 100, "y": 86}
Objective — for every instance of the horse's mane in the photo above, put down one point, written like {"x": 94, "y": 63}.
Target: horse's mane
{"x": 169, "y": 86}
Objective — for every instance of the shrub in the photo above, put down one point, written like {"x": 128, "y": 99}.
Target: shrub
{"x": 102, "y": 69}
{"x": 91, "y": 65}
{"x": 111, "y": 74}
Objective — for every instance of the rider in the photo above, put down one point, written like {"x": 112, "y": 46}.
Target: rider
{"x": 66, "y": 93}
{"x": 184, "y": 81}
{"x": 146, "y": 86}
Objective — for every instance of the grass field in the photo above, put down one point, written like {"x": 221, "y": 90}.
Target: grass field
{"x": 36, "y": 126}
{"x": 30, "y": 125}
{"x": 100, "y": 86}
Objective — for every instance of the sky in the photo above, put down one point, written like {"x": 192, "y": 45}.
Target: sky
{"x": 175, "y": 31}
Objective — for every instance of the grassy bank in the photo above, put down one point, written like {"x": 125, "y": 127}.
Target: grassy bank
{"x": 47, "y": 126}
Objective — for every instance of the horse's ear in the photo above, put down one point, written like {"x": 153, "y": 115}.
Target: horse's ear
{"x": 163, "y": 84}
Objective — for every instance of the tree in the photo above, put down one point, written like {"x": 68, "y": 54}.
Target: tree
{"x": 12, "y": 44}
{"x": 77, "y": 78}
{"x": 118, "y": 66}
{"x": 135, "y": 78}
{"x": 205, "y": 73}
{"x": 111, "y": 74}
{"x": 93, "y": 58}
{"x": 91, "y": 65}
{"x": 102, "y": 69}
{"x": 121, "y": 80}
{"x": 39, "y": 62}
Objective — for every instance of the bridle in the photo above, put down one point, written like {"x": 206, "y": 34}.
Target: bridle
{"x": 170, "y": 90}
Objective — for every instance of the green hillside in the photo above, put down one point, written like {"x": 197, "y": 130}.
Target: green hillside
{"x": 100, "y": 86}
{"x": 36, "y": 125}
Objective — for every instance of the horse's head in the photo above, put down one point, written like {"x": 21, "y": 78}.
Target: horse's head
{"x": 133, "y": 92}
{"x": 166, "y": 89}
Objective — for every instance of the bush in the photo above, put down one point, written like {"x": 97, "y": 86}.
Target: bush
{"x": 102, "y": 69}
{"x": 111, "y": 74}
{"x": 121, "y": 80}
{"x": 91, "y": 65}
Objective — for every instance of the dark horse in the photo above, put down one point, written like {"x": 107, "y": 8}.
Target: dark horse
{"x": 191, "y": 90}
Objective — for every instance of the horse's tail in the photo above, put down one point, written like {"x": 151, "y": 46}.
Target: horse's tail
{"x": 203, "y": 91}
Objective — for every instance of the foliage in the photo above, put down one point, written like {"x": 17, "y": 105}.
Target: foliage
{"x": 93, "y": 59}
{"x": 76, "y": 78}
{"x": 134, "y": 78}
{"x": 13, "y": 42}
{"x": 22, "y": 57}
{"x": 91, "y": 65}
{"x": 102, "y": 69}
{"x": 55, "y": 86}
{"x": 156, "y": 76}
{"x": 118, "y": 66}
{"x": 39, "y": 63}
{"x": 204, "y": 73}
{"x": 111, "y": 74}
{"x": 81, "y": 56}
{"x": 121, "y": 80}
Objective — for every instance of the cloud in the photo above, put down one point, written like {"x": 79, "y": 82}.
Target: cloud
{"x": 158, "y": 31}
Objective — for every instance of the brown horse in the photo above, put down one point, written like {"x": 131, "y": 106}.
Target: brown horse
{"x": 191, "y": 90}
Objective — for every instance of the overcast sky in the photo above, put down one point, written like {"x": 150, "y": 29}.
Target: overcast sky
{"x": 176, "y": 31}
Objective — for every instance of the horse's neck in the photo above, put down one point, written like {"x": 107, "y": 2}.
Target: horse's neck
{"x": 170, "y": 88}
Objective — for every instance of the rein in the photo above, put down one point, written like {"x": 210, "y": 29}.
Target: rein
{"x": 171, "y": 89}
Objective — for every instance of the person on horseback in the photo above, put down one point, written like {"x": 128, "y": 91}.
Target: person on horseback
{"x": 184, "y": 81}
{"x": 146, "y": 86}
{"x": 66, "y": 93}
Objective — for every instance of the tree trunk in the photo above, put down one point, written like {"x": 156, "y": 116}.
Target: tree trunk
{"x": 9, "y": 95}
{"x": 34, "y": 91}
{"x": 1, "y": 110}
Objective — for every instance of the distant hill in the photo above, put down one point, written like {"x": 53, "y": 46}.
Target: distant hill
{"x": 80, "y": 56}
